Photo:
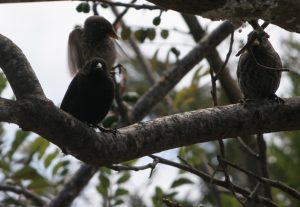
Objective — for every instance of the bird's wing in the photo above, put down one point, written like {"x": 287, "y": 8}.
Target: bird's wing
{"x": 241, "y": 63}
{"x": 75, "y": 58}
{"x": 72, "y": 93}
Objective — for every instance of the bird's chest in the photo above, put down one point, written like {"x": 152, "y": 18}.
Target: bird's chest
{"x": 102, "y": 49}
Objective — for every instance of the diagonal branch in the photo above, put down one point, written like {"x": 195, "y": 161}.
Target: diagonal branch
{"x": 18, "y": 70}
{"x": 74, "y": 186}
{"x": 157, "y": 92}
{"x": 208, "y": 178}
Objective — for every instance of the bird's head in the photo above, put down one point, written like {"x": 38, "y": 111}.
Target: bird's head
{"x": 258, "y": 37}
{"x": 99, "y": 27}
{"x": 94, "y": 65}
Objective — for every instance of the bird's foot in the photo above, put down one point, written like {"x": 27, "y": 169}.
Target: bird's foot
{"x": 106, "y": 130}
{"x": 120, "y": 67}
{"x": 276, "y": 99}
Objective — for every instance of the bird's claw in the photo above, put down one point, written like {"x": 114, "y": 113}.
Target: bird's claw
{"x": 106, "y": 130}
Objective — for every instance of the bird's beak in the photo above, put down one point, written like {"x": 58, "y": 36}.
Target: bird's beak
{"x": 255, "y": 42}
{"x": 113, "y": 34}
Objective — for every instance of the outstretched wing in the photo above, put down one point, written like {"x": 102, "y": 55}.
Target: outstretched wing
{"x": 75, "y": 58}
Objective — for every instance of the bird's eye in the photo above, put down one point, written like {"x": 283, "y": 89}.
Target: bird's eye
{"x": 99, "y": 65}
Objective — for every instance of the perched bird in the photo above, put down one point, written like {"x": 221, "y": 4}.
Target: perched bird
{"x": 259, "y": 68}
{"x": 90, "y": 93}
{"x": 95, "y": 39}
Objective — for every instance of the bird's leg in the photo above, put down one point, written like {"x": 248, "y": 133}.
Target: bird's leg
{"x": 276, "y": 99}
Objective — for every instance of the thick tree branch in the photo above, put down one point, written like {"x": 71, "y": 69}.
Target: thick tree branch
{"x": 154, "y": 136}
{"x": 274, "y": 11}
{"x": 158, "y": 91}
{"x": 18, "y": 70}
{"x": 7, "y": 110}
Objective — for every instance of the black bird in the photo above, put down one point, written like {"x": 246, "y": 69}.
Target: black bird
{"x": 90, "y": 93}
{"x": 95, "y": 39}
{"x": 259, "y": 68}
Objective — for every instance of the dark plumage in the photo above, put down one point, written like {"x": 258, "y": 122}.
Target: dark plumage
{"x": 95, "y": 39}
{"x": 256, "y": 72}
{"x": 90, "y": 94}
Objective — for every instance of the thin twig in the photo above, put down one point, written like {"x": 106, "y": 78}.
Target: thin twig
{"x": 134, "y": 168}
{"x": 227, "y": 179}
{"x": 121, "y": 15}
{"x": 207, "y": 178}
{"x": 227, "y": 56}
{"x": 273, "y": 183}
{"x": 35, "y": 198}
{"x": 250, "y": 200}
{"x": 118, "y": 97}
{"x": 246, "y": 147}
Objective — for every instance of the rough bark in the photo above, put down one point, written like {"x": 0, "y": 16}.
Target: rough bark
{"x": 150, "y": 137}
{"x": 274, "y": 11}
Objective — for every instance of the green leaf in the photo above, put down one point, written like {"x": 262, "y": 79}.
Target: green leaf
{"x": 125, "y": 33}
{"x": 48, "y": 160}
{"x": 38, "y": 185}
{"x": 121, "y": 192}
{"x": 104, "y": 181}
{"x": 3, "y": 82}
{"x": 83, "y": 7}
{"x": 103, "y": 186}
{"x": 26, "y": 173}
{"x": 159, "y": 192}
{"x": 123, "y": 178}
{"x": 86, "y": 8}
{"x": 131, "y": 97}
{"x": 151, "y": 33}
{"x": 156, "y": 21}
{"x": 60, "y": 165}
{"x": 118, "y": 202}
{"x": 79, "y": 7}
{"x": 4, "y": 166}
{"x": 39, "y": 145}
{"x": 140, "y": 35}
{"x": 20, "y": 136}
{"x": 181, "y": 181}
{"x": 164, "y": 34}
